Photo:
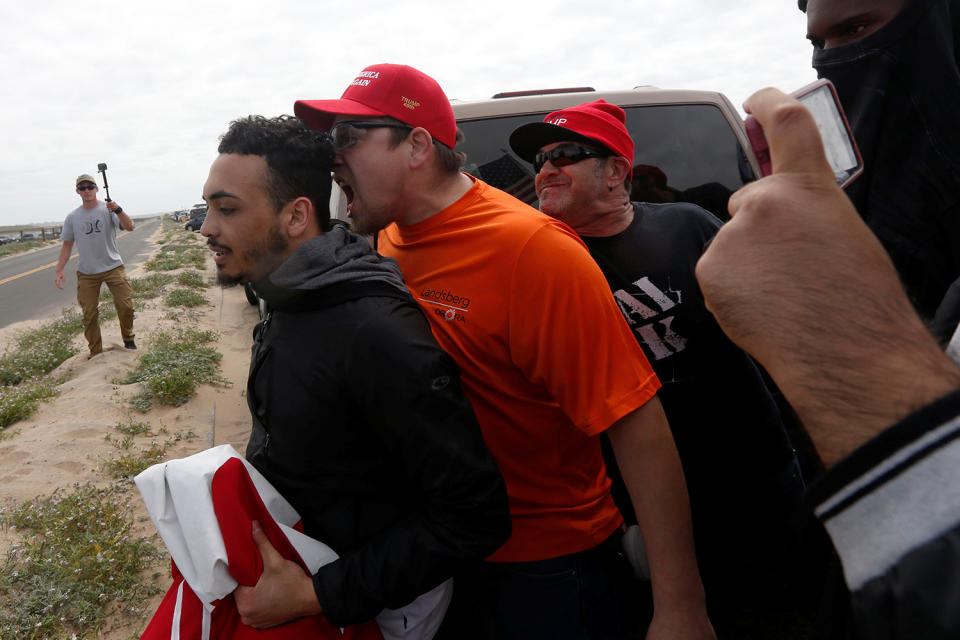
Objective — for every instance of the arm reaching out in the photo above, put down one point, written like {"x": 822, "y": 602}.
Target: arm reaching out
{"x": 799, "y": 281}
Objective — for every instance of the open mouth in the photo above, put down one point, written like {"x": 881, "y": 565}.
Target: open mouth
{"x": 347, "y": 191}
{"x": 219, "y": 252}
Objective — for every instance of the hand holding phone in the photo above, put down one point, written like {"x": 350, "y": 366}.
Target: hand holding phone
{"x": 821, "y": 99}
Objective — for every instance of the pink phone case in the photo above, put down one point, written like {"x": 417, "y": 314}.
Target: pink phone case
{"x": 759, "y": 143}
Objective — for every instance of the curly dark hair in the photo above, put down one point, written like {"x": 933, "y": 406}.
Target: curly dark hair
{"x": 300, "y": 159}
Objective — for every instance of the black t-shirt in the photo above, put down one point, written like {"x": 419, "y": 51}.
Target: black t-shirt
{"x": 726, "y": 424}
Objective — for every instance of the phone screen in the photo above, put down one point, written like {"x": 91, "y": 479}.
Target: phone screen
{"x": 841, "y": 149}
{"x": 837, "y": 139}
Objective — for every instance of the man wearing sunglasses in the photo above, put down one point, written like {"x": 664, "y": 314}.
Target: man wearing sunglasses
{"x": 93, "y": 227}
{"x": 741, "y": 473}
{"x": 547, "y": 362}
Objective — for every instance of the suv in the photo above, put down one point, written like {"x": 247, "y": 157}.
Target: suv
{"x": 691, "y": 146}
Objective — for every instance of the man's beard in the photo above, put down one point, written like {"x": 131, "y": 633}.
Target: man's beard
{"x": 266, "y": 256}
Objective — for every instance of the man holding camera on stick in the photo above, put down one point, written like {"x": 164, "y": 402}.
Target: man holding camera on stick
{"x": 93, "y": 227}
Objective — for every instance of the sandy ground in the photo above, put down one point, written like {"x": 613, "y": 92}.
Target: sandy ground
{"x": 64, "y": 443}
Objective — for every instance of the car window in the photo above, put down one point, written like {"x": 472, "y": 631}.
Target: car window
{"x": 685, "y": 153}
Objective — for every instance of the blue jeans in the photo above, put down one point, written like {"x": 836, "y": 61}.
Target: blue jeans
{"x": 582, "y": 596}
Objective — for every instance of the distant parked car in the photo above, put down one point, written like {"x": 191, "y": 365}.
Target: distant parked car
{"x": 194, "y": 224}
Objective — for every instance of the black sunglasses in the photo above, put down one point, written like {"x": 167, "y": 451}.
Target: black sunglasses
{"x": 346, "y": 134}
{"x": 90, "y": 188}
{"x": 566, "y": 154}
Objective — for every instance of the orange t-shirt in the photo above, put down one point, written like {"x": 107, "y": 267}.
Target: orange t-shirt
{"x": 547, "y": 360}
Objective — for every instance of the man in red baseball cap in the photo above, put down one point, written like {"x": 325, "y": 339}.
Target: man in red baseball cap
{"x": 727, "y": 427}
{"x": 398, "y": 104}
{"x": 359, "y": 419}
{"x": 547, "y": 361}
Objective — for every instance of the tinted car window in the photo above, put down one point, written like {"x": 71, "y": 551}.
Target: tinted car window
{"x": 683, "y": 153}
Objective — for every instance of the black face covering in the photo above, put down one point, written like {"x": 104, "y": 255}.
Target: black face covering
{"x": 900, "y": 89}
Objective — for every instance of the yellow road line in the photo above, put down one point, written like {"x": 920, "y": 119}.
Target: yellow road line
{"x": 27, "y": 273}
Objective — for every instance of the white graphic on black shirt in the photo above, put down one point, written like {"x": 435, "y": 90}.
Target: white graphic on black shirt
{"x": 642, "y": 316}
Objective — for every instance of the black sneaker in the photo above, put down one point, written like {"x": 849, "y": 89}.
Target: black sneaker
{"x": 129, "y": 344}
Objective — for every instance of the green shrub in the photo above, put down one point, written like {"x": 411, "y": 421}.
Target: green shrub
{"x": 177, "y": 256}
{"x": 106, "y": 312}
{"x": 192, "y": 279}
{"x": 20, "y": 402}
{"x": 129, "y": 464}
{"x": 41, "y": 350}
{"x": 132, "y": 428}
{"x": 142, "y": 400}
{"x": 150, "y": 286}
{"x": 173, "y": 367}
{"x": 184, "y": 298}
{"x": 77, "y": 565}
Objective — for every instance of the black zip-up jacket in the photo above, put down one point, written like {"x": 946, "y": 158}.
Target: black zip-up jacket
{"x": 360, "y": 422}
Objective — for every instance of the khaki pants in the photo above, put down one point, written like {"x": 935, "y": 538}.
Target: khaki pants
{"x": 88, "y": 295}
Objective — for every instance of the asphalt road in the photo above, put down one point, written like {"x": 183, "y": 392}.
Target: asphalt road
{"x": 27, "y": 290}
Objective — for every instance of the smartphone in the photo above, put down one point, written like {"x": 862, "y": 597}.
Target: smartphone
{"x": 821, "y": 99}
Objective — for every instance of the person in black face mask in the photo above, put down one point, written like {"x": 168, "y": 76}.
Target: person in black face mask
{"x": 895, "y": 67}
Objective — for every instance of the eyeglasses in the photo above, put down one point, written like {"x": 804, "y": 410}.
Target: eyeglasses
{"x": 566, "y": 154}
{"x": 90, "y": 188}
{"x": 347, "y": 134}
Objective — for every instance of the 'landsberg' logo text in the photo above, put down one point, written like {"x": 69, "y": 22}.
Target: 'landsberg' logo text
{"x": 451, "y": 307}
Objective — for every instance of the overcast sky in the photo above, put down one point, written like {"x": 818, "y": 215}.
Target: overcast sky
{"x": 148, "y": 87}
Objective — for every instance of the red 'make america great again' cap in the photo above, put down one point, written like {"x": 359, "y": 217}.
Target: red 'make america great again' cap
{"x": 392, "y": 90}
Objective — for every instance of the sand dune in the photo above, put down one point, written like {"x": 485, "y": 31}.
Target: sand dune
{"x": 64, "y": 443}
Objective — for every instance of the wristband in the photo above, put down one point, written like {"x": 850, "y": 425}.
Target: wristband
{"x": 118, "y": 210}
